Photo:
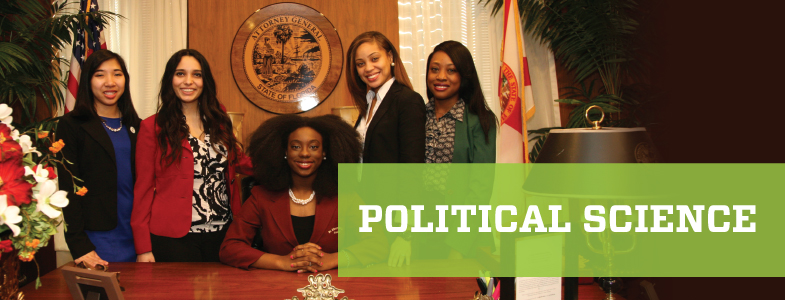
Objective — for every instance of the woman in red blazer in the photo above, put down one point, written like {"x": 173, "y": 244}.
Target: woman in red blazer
{"x": 186, "y": 159}
{"x": 296, "y": 205}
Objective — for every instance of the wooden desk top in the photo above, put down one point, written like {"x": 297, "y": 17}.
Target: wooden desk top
{"x": 218, "y": 281}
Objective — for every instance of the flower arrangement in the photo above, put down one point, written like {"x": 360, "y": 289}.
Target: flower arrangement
{"x": 30, "y": 202}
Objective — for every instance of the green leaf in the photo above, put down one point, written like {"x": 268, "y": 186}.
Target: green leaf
{"x": 570, "y": 101}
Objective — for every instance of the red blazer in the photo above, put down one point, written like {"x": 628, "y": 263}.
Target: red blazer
{"x": 163, "y": 195}
{"x": 270, "y": 212}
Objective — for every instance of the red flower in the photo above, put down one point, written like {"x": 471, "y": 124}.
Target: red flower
{"x": 6, "y": 246}
{"x": 49, "y": 169}
{"x": 17, "y": 190}
{"x": 9, "y": 149}
{"x": 52, "y": 174}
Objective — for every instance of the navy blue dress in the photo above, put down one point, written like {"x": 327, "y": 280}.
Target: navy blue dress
{"x": 117, "y": 245}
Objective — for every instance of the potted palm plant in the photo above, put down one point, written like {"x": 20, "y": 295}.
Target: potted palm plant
{"x": 596, "y": 41}
{"x": 33, "y": 33}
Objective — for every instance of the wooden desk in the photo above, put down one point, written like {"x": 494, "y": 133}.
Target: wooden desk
{"x": 217, "y": 281}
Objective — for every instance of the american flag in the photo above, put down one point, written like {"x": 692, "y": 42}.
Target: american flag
{"x": 85, "y": 43}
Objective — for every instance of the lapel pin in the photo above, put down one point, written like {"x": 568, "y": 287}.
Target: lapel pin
{"x": 133, "y": 130}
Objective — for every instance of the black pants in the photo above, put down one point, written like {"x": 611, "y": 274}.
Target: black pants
{"x": 193, "y": 247}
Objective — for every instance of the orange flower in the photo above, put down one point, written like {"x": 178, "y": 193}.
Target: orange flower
{"x": 29, "y": 256}
{"x": 33, "y": 244}
{"x": 82, "y": 191}
{"x": 43, "y": 134}
{"x": 57, "y": 146}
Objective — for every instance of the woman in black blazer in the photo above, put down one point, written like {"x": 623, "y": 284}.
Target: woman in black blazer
{"x": 392, "y": 115}
{"x": 100, "y": 137}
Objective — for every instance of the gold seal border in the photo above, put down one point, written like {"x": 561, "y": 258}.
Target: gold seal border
{"x": 335, "y": 64}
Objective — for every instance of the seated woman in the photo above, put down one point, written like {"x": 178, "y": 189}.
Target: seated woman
{"x": 296, "y": 205}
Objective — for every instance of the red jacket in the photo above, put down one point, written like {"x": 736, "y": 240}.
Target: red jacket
{"x": 270, "y": 212}
{"x": 163, "y": 195}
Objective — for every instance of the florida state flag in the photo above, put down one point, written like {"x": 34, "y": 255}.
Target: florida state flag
{"x": 514, "y": 90}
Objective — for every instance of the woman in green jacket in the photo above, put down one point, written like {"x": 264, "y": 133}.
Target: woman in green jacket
{"x": 460, "y": 127}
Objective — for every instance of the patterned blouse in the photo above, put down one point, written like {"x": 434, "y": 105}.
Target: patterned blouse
{"x": 440, "y": 133}
{"x": 210, "y": 209}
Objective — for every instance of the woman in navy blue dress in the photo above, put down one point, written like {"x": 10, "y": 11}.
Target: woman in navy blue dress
{"x": 100, "y": 137}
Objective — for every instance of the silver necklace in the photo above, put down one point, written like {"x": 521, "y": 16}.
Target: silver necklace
{"x": 110, "y": 128}
{"x": 301, "y": 201}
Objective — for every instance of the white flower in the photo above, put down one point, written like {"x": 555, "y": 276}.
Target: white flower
{"x": 41, "y": 174}
{"x": 5, "y": 114}
{"x": 9, "y": 215}
{"x": 27, "y": 144}
{"x": 49, "y": 196}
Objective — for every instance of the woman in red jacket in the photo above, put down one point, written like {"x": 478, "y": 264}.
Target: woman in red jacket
{"x": 186, "y": 159}
{"x": 296, "y": 205}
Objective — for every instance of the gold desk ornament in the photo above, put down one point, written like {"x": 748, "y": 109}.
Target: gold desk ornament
{"x": 478, "y": 296}
{"x": 320, "y": 288}
{"x": 596, "y": 123}
{"x": 609, "y": 249}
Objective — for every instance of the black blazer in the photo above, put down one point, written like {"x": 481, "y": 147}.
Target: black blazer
{"x": 397, "y": 132}
{"x": 90, "y": 150}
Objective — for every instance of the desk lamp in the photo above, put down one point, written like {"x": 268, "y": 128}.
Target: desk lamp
{"x": 590, "y": 145}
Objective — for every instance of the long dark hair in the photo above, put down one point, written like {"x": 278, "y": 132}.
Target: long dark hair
{"x": 470, "y": 90}
{"x": 268, "y": 144}
{"x": 357, "y": 87}
{"x": 170, "y": 117}
{"x": 85, "y": 100}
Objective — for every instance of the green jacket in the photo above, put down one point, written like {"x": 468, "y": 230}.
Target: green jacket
{"x": 470, "y": 146}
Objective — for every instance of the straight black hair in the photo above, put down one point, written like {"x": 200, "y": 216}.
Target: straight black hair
{"x": 85, "y": 100}
{"x": 470, "y": 91}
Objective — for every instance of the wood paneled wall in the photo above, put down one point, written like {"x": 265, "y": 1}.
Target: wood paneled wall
{"x": 212, "y": 26}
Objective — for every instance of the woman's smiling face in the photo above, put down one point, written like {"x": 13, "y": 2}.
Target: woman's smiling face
{"x": 373, "y": 64}
{"x": 108, "y": 83}
{"x": 443, "y": 80}
{"x": 304, "y": 151}
{"x": 187, "y": 81}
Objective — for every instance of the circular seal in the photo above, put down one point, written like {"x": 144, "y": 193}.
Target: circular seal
{"x": 286, "y": 58}
{"x": 644, "y": 153}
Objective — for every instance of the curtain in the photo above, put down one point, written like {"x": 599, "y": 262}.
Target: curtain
{"x": 150, "y": 33}
{"x": 147, "y": 35}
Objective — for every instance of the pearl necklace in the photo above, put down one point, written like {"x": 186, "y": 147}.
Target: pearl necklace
{"x": 110, "y": 128}
{"x": 301, "y": 201}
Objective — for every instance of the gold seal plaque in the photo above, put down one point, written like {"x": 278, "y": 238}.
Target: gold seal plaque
{"x": 286, "y": 58}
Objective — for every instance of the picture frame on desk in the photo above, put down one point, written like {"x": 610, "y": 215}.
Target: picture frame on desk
{"x": 513, "y": 243}
{"x": 87, "y": 284}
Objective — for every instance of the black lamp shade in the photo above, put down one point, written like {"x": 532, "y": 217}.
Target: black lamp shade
{"x": 606, "y": 145}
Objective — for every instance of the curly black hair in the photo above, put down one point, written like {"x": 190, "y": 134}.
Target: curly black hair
{"x": 268, "y": 143}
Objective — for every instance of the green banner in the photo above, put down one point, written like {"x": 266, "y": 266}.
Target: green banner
{"x": 561, "y": 220}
